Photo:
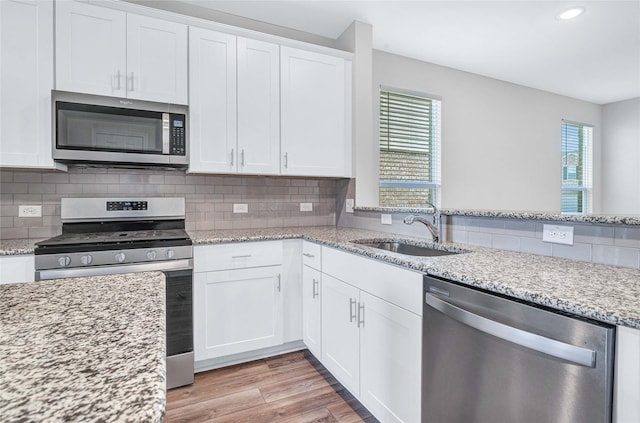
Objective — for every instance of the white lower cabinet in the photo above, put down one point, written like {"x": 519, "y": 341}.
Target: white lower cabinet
{"x": 238, "y": 298}
{"x": 311, "y": 310}
{"x": 372, "y": 346}
{"x": 390, "y": 360}
{"x": 340, "y": 333}
{"x": 237, "y": 311}
{"x": 15, "y": 269}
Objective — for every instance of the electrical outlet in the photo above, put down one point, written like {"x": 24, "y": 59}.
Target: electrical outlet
{"x": 241, "y": 208}
{"x": 306, "y": 206}
{"x": 557, "y": 234}
{"x": 29, "y": 211}
{"x": 349, "y": 203}
{"x": 385, "y": 219}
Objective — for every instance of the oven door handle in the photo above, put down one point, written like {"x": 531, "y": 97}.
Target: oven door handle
{"x": 163, "y": 266}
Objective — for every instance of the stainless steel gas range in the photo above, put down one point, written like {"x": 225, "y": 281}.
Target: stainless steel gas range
{"x": 108, "y": 236}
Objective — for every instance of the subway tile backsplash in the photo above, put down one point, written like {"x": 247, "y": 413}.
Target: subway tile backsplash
{"x": 272, "y": 201}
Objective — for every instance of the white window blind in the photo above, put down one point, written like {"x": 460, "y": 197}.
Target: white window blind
{"x": 577, "y": 173}
{"x": 409, "y": 149}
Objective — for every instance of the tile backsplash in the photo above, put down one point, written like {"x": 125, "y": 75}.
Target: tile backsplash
{"x": 272, "y": 201}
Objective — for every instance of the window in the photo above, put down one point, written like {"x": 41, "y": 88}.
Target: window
{"x": 409, "y": 150}
{"x": 577, "y": 142}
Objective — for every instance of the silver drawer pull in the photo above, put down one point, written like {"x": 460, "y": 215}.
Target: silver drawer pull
{"x": 308, "y": 255}
{"x": 314, "y": 292}
{"x": 353, "y": 310}
{"x": 241, "y": 256}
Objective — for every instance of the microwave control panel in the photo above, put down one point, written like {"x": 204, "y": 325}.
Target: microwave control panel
{"x": 178, "y": 139}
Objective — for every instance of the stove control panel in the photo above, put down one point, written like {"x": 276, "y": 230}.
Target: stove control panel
{"x": 126, "y": 205}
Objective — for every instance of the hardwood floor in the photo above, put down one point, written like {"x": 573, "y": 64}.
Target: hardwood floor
{"x": 291, "y": 388}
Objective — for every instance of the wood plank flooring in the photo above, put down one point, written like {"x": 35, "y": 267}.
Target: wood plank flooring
{"x": 290, "y": 388}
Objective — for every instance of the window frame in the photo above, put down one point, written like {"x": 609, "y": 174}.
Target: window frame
{"x": 586, "y": 158}
{"x": 435, "y": 146}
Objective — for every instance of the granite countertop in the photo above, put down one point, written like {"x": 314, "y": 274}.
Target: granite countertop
{"x": 15, "y": 247}
{"x": 530, "y": 215}
{"x": 85, "y": 349}
{"x": 606, "y": 293}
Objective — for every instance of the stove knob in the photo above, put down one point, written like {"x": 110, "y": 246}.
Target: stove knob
{"x": 170, "y": 253}
{"x": 120, "y": 257}
{"x": 86, "y": 259}
{"x": 151, "y": 255}
{"x": 64, "y": 261}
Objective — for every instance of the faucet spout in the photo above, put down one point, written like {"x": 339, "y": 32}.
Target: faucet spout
{"x": 433, "y": 227}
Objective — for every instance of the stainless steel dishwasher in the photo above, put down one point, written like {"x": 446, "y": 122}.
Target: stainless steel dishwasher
{"x": 491, "y": 359}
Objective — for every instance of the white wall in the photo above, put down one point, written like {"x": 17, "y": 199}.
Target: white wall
{"x": 500, "y": 141}
{"x": 621, "y": 157}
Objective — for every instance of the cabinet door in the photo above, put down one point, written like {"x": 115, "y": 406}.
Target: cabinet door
{"x": 26, "y": 80}
{"x": 258, "y": 107}
{"x": 390, "y": 360}
{"x": 236, "y": 311}
{"x": 156, "y": 60}
{"x": 91, "y": 49}
{"x": 17, "y": 268}
{"x": 313, "y": 121}
{"x": 340, "y": 343}
{"x": 311, "y": 310}
{"x": 212, "y": 108}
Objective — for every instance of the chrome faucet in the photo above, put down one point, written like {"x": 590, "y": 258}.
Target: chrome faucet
{"x": 433, "y": 226}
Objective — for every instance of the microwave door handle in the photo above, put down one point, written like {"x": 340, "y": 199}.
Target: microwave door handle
{"x": 166, "y": 133}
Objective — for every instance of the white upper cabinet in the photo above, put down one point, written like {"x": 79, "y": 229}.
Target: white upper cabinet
{"x": 26, "y": 80}
{"x": 91, "y": 46}
{"x": 234, "y": 104}
{"x": 156, "y": 60}
{"x": 258, "y": 107}
{"x": 316, "y": 113}
{"x": 212, "y": 108}
{"x": 109, "y": 52}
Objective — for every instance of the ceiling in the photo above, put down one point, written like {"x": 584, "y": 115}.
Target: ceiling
{"x": 594, "y": 57}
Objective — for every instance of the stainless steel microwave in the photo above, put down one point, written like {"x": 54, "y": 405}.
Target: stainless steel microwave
{"x": 106, "y": 130}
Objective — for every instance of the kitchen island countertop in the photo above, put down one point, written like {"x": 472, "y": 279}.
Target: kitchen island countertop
{"x": 84, "y": 349}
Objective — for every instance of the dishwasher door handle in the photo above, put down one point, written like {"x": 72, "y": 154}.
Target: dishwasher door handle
{"x": 562, "y": 350}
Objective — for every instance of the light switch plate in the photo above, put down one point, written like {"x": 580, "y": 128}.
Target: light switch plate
{"x": 557, "y": 234}
{"x": 241, "y": 208}
{"x": 306, "y": 206}
{"x": 29, "y": 211}
{"x": 385, "y": 219}
{"x": 349, "y": 203}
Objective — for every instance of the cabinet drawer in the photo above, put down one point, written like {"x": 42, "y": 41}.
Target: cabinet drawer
{"x": 311, "y": 255}
{"x": 396, "y": 285}
{"x": 239, "y": 255}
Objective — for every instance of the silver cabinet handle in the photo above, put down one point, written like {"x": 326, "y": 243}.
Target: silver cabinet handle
{"x": 232, "y": 150}
{"x": 314, "y": 289}
{"x": 568, "y": 352}
{"x": 360, "y": 315}
{"x": 131, "y": 89}
{"x": 279, "y": 283}
{"x": 352, "y": 309}
{"x": 308, "y": 255}
{"x": 286, "y": 160}
{"x": 241, "y": 256}
{"x": 242, "y": 157}
{"x": 118, "y": 79}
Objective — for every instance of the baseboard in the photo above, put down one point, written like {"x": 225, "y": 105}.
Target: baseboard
{"x": 216, "y": 363}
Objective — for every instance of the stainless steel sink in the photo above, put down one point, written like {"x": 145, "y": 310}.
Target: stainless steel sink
{"x": 404, "y": 248}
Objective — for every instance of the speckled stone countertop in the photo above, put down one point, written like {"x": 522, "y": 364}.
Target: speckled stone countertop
{"x": 85, "y": 349}
{"x": 606, "y": 293}
{"x": 546, "y": 216}
{"x": 14, "y": 247}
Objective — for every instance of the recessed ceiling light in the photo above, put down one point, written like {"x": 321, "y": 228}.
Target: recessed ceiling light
{"x": 571, "y": 13}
